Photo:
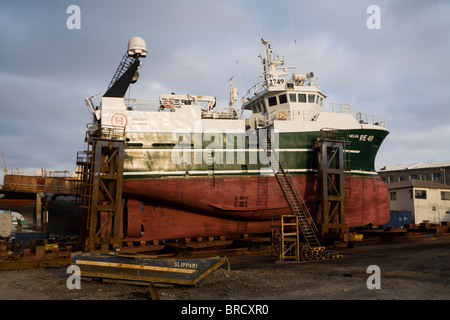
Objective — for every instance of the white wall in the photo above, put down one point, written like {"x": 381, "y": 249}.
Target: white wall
{"x": 421, "y": 209}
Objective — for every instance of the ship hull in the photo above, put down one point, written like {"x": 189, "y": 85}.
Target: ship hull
{"x": 167, "y": 199}
{"x": 175, "y": 207}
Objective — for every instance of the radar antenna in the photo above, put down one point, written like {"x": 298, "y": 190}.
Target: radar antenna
{"x": 127, "y": 72}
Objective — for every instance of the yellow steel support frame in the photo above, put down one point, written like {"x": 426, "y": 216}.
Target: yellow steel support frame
{"x": 332, "y": 202}
{"x": 101, "y": 189}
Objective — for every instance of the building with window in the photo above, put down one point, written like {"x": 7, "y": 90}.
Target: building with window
{"x": 428, "y": 201}
{"x": 423, "y": 171}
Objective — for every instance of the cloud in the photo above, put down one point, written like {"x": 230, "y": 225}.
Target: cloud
{"x": 399, "y": 72}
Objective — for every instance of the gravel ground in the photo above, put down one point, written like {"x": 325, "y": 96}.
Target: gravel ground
{"x": 409, "y": 270}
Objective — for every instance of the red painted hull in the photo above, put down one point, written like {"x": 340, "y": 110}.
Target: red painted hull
{"x": 187, "y": 207}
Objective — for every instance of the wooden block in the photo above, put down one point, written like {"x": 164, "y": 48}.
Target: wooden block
{"x": 40, "y": 251}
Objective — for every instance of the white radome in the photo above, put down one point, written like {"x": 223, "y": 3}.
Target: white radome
{"x": 136, "y": 45}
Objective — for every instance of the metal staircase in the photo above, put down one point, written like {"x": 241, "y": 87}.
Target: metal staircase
{"x": 125, "y": 74}
{"x": 124, "y": 65}
{"x": 306, "y": 225}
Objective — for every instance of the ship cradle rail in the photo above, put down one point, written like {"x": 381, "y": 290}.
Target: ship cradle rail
{"x": 331, "y": 107}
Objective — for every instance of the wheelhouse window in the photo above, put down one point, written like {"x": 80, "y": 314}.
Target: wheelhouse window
{"x": 311, "y": 98}
{"x": 282, "y": 98}
{"x": 302, "y": 97}
{"x": 320, "y": 102}
{"x": 292, "y": 97}
{"x": 272, "y": 101}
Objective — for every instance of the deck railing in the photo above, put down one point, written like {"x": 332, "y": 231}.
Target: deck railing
{"x": 331, "y": 107}
{"x": 142, "y": 104}
{"x": 337, "y": 107}
{"x": 27, "y": 181}
{"x": 258, "y": 87}
{"x": 95, "y": 130}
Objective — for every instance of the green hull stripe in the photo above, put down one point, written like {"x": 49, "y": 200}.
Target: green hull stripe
{"x": 295, "y": 151}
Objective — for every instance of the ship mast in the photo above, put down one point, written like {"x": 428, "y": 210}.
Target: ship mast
{"x": 271, "y": 63}
{"x": 233, "y": 94}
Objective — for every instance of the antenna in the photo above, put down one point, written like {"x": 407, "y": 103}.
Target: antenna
{"x": 257, "y": 19}
{"x": 259, "y": 26}
{"x": 237, "y": 62}
{"x": 295, "y": 37}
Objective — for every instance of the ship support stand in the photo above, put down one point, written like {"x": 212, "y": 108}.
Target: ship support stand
{"x": 101, "y": 188}
{"x": 331, "y": 167}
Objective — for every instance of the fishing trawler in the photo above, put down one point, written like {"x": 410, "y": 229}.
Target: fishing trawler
{"x": 191, "y": 171}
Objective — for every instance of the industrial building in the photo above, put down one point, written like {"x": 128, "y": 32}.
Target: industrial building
{"x": 437, "y": 171}
{"x": 426, "y": 201}
{"x": 418, "y": 192}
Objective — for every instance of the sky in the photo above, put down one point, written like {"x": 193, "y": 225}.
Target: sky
{"x": 399, "y": 71}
